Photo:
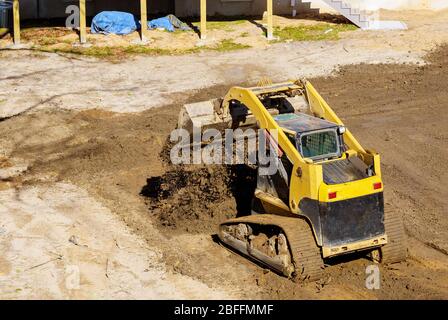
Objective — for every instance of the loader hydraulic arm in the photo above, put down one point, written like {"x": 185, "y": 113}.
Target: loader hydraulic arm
{"x": 306, "y": 177}
{"x": 249, "y": 99}
{"x": 321, "y": 109}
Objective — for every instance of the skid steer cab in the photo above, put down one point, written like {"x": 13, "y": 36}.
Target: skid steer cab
{"x": 346, "y": 209}
{"x": 325, "y": 198}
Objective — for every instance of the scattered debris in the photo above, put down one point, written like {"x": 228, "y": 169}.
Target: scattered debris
{"x": 117, "y": 244}
{"x": 44, "y": 263}
{"x": 73, "y": 239}
{"x": 107, "y": 268}
{"x": 323, "y": 283}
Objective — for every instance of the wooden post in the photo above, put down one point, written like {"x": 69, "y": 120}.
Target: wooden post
{"x": 144, "y": 19}
{"x": 16, "y": 16}
{"x": 82, "y": 21}
{"x": 270, "y": 28}
{"x": 203, "y": 19}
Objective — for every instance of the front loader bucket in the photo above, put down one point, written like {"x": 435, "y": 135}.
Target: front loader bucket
{"x": 201, "y": 116}
{"x": 221, "y": 114}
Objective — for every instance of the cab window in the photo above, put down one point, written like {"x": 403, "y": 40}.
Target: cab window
{"x": 319, "y": 145}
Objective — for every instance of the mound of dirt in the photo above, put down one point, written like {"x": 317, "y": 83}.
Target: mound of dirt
{"x": 196, "y": 199}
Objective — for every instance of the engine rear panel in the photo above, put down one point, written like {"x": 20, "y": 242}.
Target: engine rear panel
{"x": 343, "y": 171}
{"x": 352, "y": 220}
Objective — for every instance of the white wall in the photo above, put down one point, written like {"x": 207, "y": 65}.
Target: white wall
{"x": 56, "y": 8}
{"x": 390, "y": 4}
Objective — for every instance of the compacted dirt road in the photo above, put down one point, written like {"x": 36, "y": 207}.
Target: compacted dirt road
{"x": 90, "y": 206}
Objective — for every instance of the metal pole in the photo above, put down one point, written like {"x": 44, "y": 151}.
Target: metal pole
{"x": 16, "y": 16}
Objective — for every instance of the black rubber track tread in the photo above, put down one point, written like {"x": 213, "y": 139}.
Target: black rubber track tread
{"x": 306, "y": 255}
{"x": 395, "y": 250}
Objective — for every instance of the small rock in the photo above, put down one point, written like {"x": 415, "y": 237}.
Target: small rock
{"x": 73, "y": 239}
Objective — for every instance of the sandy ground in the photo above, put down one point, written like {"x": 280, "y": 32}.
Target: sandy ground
{"x": 74, "y": 164}
{"x": 77, "y": 249}
{"x": 247, "y": 32}
{"x": 147, "y": 82}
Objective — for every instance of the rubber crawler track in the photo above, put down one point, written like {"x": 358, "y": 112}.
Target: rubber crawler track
{"x": 306, "y": 255}
{"x": 395, "y": 250}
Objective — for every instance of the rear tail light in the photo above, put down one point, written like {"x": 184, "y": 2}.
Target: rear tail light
{"x": 332, "y": 195}
{"x": 377, "y": 185}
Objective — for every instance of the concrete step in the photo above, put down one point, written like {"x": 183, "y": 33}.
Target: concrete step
{"x": 355, "y": 15}
{"x": 366, "y": 20}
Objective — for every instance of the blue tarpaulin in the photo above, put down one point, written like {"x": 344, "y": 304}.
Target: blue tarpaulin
{"x": 169, "y": 23}
{"x": 115, "y": 22}
{"x": 161, "y": 23}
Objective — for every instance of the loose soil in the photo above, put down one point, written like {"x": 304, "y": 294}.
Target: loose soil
{"x": 176, "y": 199}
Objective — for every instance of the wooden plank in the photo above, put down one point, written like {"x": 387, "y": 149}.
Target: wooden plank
{"x": 82, "y": 21}
{"x": 144, "y": 19}
{"x": 270, "y": 28}
{"x": 16, "y": 18}
{"x": 203, "y": 19}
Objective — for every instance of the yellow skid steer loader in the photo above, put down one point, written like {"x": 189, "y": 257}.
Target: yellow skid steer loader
{"x": 325, "y": 199}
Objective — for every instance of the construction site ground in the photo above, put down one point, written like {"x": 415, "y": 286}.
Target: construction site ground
{"x": 83, "y": 143}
